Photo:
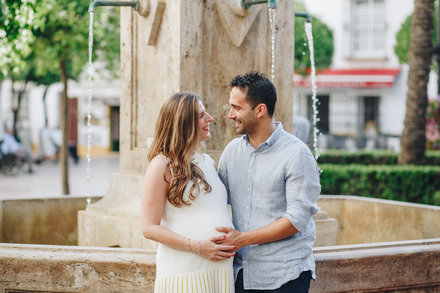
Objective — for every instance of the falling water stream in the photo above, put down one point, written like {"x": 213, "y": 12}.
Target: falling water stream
{"x": 315, "y": 119}
{"x": 272, "y": 41}
{"x": 89, "y": 118}
{"x": 89, "y": 106}
{"x": 308, "y": 30}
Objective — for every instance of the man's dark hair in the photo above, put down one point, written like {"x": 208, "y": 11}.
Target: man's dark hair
{"x": 259, "y": 89}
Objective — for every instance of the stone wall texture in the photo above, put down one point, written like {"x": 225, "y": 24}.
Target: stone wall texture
{"x": 405, "y": 267}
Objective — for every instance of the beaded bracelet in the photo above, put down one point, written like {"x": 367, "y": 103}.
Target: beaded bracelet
{"x": 189, "y": 244}
{"x": 198, "y": 247}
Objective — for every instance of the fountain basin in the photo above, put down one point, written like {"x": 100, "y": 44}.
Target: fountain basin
{"x": 371, "y": 220}
{"x": 409, "y": 266}
{"x": 53, "y": 220}
{"x": 50, "y": 220}
{"x": 51, "y": 268}
{"x": 394, "y": 263}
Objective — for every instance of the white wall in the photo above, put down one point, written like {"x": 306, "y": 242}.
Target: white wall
{"x": 392, "y": 106}
{"x": 336, "y": 15}
{"x": 104, "y": 94}
{"x": 6, "y": 103}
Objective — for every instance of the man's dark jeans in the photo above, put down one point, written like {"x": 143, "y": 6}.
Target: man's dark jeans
{"x": 299, "y": 285}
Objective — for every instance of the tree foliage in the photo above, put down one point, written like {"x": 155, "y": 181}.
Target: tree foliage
{"x": 62, "y": 41}
{"x": 323, "y": 43}
{"x": 47, "y": 41}
{"x": 64, "y": 34}
{"x": 17, "y": 19}
{"x": 403, "y": 37}
{"x": 34, "y": 35}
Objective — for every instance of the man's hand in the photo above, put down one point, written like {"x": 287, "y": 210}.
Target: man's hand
{"x": 233, "y": 237}
{"x": 275, "y": 231}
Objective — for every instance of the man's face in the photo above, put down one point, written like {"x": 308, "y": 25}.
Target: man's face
{"x": 241, "y": 112}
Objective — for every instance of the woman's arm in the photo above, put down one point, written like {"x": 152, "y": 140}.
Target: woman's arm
{"x": 154, "y": 197}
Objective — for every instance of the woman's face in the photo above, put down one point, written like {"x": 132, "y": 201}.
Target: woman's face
{"x": 204, "y": 122}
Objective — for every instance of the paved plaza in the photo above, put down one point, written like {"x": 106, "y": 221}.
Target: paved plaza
{"x": 46, "y": 178}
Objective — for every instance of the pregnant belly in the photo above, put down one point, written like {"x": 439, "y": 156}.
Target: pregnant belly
{"x": 198, "y": 226}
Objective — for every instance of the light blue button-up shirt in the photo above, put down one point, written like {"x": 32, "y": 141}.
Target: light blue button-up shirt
{"x": 278, "y": 179}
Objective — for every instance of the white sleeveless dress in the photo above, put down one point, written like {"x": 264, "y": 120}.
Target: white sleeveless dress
{"x": 180, "y": 271}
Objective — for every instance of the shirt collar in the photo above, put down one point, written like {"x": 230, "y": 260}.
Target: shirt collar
{"x": 276, "y": 134}
{"x": 272, "y": 138}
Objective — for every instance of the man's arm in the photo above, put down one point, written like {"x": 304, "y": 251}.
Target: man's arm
{"x": 280, "y": 229}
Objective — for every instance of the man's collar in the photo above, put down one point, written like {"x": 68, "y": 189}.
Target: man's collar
{"x": 272, "y": 138}
{"x": 275, "y": 134}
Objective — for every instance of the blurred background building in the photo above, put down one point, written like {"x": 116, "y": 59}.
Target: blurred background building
{"x": 45, "y": 137}
{"x": 362, "y": 96}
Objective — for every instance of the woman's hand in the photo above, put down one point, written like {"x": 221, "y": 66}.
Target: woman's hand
{"x": 215, "y": 252}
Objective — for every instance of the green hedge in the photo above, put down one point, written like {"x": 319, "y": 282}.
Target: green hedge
{"x": 418, "y": 184}
{"x": 376, "y": 157}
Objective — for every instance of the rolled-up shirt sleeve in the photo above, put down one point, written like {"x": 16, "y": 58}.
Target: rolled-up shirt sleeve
{"x": 302, "y": 190}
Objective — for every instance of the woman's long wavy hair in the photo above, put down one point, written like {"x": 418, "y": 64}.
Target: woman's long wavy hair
{"x": 177, "y": 138}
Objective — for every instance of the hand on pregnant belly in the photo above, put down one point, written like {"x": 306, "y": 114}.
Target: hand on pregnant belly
{"x": 233, "y": 237}
{"x": 216, "y": 252}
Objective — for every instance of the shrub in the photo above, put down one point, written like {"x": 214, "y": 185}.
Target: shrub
{"x": 375, "y": 157}
{"x": 418, "y": 184}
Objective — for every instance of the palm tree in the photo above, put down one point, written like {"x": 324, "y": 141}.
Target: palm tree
{"x": 413, "y": 139}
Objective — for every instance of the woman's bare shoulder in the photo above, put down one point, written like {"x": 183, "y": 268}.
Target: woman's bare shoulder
{"x": 161, "y": 158}
{"x": 159, "y": 164}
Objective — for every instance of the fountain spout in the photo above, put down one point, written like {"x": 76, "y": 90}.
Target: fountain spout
{"x": 141, "y": 6}
{"x": 272, "y": 4}
{"x": 305, "y": 15}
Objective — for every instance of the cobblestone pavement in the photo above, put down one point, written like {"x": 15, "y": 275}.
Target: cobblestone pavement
{"x": 46, "y": 178}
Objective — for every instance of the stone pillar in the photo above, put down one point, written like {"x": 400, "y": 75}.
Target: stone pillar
{"x": 187, "y": 45}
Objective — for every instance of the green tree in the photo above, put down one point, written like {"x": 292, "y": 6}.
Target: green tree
{"x": 413, "y": 139}
{"x": 402, "y": 41}
{"x": 47, "y": 41}
{"x": 403, "y": 37}
{"x": 17, "y": 18}
{"x": 322, "y": 35}
{"x": 62, "y": 43}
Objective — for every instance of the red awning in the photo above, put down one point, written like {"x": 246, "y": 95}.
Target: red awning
{"x": 350, "y": 78}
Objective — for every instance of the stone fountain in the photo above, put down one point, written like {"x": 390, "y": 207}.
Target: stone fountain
{"x": 196, "y": 46}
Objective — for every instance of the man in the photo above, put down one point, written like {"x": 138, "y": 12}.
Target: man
{"x": 273, "y": 185}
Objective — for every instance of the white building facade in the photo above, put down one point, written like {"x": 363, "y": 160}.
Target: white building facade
{"x": 363, "y": 94}
{"x": 44, "y": 139}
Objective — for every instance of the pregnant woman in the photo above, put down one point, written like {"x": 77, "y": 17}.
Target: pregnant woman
{"x": 183, "y": 200}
